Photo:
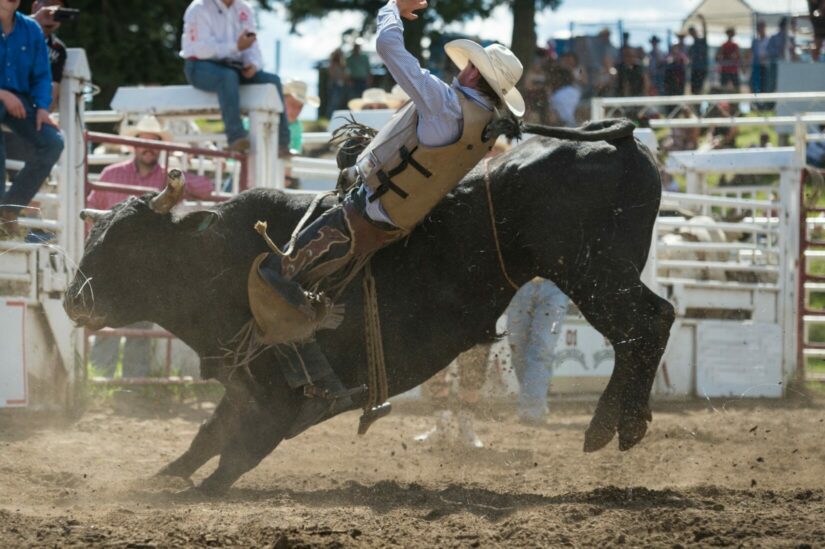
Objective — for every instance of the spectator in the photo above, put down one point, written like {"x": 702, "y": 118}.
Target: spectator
{"x": 792, "y": 45}
{"x": 337, "y": 77}
{"x": 656, "y": 63}
{"x": 143, "y": 170}
{"x": 26, "y": 97}
{"x": 676, "y": 68}
{"x": 630, "y": 75}
{"x": 815, "y": 151}
{"x": 296, "y": 95}
{"x": 759, "y": 58}
{"x": 570, "y": 61}
{"x": 564, "y": 97}
{"x": 728, "y": 59}
{"x": 43, "y": 13}
{"x": 535, "y": 91}
{"x": 221, "y": 51}
{"x": 135, "y": 360}
{"x": 358, "y": 67}
{"x": 698, "y": 56}
{"x": 779, "y": 49}
{"x": 600, "y": 69}
{"x": 472, "y": 369}
{"x": 816, "y": 9}
{"x": 374, "y": 99}
{"x": 534, "y": 319}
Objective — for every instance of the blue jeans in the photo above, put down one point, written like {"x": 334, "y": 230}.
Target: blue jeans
{"x": 336, "y": 98}
{"x": 46, "y": 146}
{"x": 216, "y": 77}
{"x": 137, "y": 354}
{"x": 534, "y": 319}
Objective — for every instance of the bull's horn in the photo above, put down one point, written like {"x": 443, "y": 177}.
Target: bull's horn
{"x": 92, "y": 216}
{"x": 171, "y": 195}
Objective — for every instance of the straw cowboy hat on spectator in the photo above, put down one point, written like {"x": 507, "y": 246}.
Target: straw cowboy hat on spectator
{"x": 374, "y": 98}
{"x": 497, "y": 65}
{"x": 398, "y": 95}
{"x": 147, "y": 124}
{"x": 300, "y": 91}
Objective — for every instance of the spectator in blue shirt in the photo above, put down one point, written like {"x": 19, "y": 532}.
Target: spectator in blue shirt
{"x": 779, "y": 49}
{"x": 25, "y": 99}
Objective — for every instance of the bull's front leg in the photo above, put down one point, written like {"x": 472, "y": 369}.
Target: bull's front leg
{"x": 262, "y": 423}
{"x": 260, "y": 433}
{"x": 208, "y": 442}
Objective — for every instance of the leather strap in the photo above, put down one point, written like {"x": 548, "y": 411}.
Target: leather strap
{"x": 387, "y": 183}
{"x": 487, "y": 185}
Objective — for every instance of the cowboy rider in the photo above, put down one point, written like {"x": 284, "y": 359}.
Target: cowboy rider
{"x": 413, "y": 162}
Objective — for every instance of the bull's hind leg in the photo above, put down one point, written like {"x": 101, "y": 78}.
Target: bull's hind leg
{"x": 637, "y": 322}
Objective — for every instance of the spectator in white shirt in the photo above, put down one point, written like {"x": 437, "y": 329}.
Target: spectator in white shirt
{"x": 221, "y": 53}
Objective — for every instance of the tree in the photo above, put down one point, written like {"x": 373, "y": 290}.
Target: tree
{"x": 524, "y": 38}
{"x": 446, "y": 11}
{"x": 128, "y": 42}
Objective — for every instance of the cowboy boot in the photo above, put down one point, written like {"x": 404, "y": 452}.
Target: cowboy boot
{"x": 322, "y": 394}
{"x": 323, "y": 398}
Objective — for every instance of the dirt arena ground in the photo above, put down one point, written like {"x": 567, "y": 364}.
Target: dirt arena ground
{"x": 736, "y": 473}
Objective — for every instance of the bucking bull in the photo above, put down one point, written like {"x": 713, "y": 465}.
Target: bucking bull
{"x": 578, "y": 210}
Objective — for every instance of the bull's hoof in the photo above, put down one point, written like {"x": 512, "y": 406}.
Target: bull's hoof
{"x": 211, "y": 489}
{"x": 632, "y": 427}
{"x": 168, "y": 473}
{"x": 598, "y": 436}
{"x": 603, "y": 426}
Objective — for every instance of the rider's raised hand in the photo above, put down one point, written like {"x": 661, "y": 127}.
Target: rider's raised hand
{"x": 407, "y": 7}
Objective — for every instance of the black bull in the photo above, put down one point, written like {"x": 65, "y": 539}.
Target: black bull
{"x": 580, "y": 214}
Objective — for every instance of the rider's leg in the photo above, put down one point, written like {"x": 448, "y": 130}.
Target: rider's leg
{"x": 327, "y": 253}
{"x": 308, "y": 371}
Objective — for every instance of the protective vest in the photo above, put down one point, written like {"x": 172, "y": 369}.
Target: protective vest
{"x": 409, "y": 178}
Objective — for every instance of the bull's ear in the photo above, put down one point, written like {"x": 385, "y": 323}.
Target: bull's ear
{"x": 199, "y": 221}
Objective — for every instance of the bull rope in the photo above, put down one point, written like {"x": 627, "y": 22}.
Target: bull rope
{"x": 376, "y": 365}
{"x": 487, "y": 185}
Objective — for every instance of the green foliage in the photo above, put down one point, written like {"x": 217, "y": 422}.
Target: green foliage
{"x": 442, "y": 11}
{"x": 128, "y": 42}
{"x": 446, "y": 10}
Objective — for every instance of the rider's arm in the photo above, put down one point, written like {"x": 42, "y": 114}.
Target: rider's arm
{"x": 431, "y": 96}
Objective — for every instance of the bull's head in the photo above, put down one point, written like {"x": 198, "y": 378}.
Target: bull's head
{"x": 125, "y": 259}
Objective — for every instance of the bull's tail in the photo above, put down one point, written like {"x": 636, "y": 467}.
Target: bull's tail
{"x": 603, "y": 130}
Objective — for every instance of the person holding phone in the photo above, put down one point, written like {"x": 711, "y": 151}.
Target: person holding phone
{"x": 45, "y": 12}
{"x": 25, "y": 100}
{"x": 221, "y": 53}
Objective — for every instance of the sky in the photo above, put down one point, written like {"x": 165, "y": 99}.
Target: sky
{"x": 642, "y": 18}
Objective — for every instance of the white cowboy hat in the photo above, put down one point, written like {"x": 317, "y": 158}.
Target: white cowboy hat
{"x": 147, "y": 124}
{"x": 372, "y": 96}
{"x": 398, "y": 96}
{"x": 300, "y": 91}
{"x": 497, "y": 64}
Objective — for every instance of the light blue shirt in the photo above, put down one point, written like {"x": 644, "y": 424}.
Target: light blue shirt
{"x": 440, "y": 121}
